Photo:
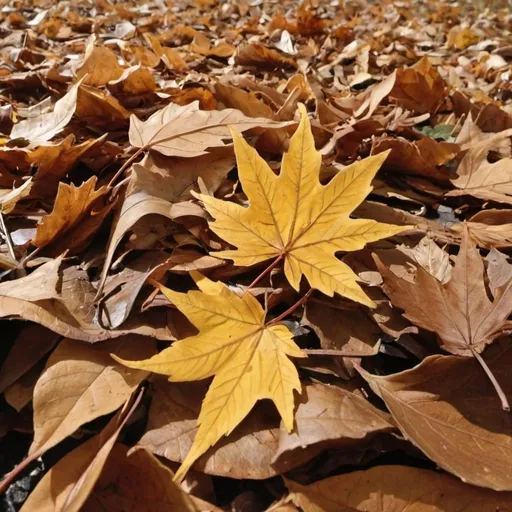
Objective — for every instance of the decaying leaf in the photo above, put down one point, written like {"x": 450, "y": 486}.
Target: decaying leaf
{"x": 295, "y": 218}
{"x": 248, "y": 358}
{"x": 396, "y": 488}
{"x": 449, "y": 409}
{"x": 188, "y": 132}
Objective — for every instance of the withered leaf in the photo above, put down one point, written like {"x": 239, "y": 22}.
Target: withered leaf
{"x": 447, "y": 407}
{"x": 396, "y": 488}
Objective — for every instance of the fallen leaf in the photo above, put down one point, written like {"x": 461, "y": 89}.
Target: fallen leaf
{"x": 248, "y": 358}
{"x": 99, "y": 65}
{"x": 77, "y": 214}
{"x": 396, "y": 488}
{"x": 295, "y": 218}
{"x": 136, "y": 480}
{"x": 257, "y": 54}
{"x": 480, "y": 178}
{"x": 188, "y": 132}
{"x": 328, "y": 417}
{"x": 172, "y": 427}
{"x": 67, "y": 485}
{"x": 81, "y": 383}
{"x": 448, "y": 408}
{"x": 45, "y": 126}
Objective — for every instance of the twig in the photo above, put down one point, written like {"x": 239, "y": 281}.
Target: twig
{"x": 291, "y": 309}
{"x": 501, "y": 394}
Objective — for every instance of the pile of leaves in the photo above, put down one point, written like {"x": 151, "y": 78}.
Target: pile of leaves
{"x": 255, "y": 255}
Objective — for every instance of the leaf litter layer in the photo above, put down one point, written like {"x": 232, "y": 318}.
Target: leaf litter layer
{"x": 256, "y": 252}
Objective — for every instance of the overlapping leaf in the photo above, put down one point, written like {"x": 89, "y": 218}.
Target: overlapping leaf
{"x": 250, "y": 360}
{"x": 294, "y": 217}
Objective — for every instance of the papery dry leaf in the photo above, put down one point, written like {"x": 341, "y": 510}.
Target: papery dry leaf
{"x": 419, "y": 88}
{"x": 250, "y": 361}
{"x": 136, "y": 481}
{"x": 9, "y": 200}
{"x": 328, "y": 417}
{"x": 431, "y": 257}
{"x": 77, "y": 214}
{"x": 421, "y": 157}
{"x": 172, "y": 426}
{"x": 295, "y": 218}
{"x": 480, "y": 178}
{"x": 134, "y": 80}
{"x": 460, "y": 311}
{"x": 47, "y": 125}
{"x": 447, "y": 407}
{"x": 373, "y": 96}
{"x": 188, "y": 132}
{"x": 257, "y": 54}
{"x": 397, "y": 489}
{"x": 99, "y": 65}
{"x": 66, "y": 486}
{"x": 81, "y": 383}
{"x": 489, "y": 228}
{"x": 345, "y": 329}
{"x": 461, "y": 38}
{"x": 99, "y": 108}
{"x": 30, "y": 346}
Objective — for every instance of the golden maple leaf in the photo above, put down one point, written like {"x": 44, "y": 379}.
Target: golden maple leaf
{"x": 294, "y": 217}
{"x": 248, "y": 358}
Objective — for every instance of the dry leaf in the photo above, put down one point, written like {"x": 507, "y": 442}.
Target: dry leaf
{"x": 295, "y": 218}
{"x": 81, "y": 383}
{"x": 45, "y": 126}
{"x": 397, "y": 489}
{"x": 447, "y": 407}
{"x": 328, "y": 417}
{"x": 188, "y": 132}
{"x": 248, "y": 358}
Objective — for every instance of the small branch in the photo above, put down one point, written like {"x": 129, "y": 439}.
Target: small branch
{"x": 291, "y": 309}
{"x": 504, "y": 402}
{"x": 265, "y": 272}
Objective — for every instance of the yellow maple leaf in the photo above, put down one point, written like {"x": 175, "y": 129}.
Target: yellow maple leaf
{"x": 293, "y": 217}
{"x": 248, "y": 358}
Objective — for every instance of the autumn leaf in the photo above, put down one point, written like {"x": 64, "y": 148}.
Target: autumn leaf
{"x": 460, "y": 311}
{"x": 397, "y": 488}
{"x": 187, "y": 131}
{"x": 448, "y": 408}
{"x": 292, "y": 217}
{"x": 248, "y": 358}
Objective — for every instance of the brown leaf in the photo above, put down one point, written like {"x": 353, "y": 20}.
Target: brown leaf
{"x": 82, "y": 382}
{"x": 99, "y": 65}
{"x": 347, "y": 330}
{"x": 397, "y": 489}
{"x": 68, "y": 483}
{"x": 188, "y": 132}
{"x": 489, "y": 228}
{"x": 98, "y": 108}
{"x": 257, "y": 54}
{"x": 448, "y": 409}
{"x": 459, "y": 312}
{"x": 171, "y": 429}
{"x": 328, "y": 417}
{"x": 134, "y": 80}
{"x": 31, "y": 345}
{"x": 45, "y": 126}
{"x": 137, "y": 481}
{"x": 77, "y": 214}
{"x": 480, "y": 178}
{"x": 419, "y": 88}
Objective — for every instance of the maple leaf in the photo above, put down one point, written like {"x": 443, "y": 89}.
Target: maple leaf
{"x": 248, "y": 358}
{"x": 294, "y": 217}
{"x": 460, "y": 311}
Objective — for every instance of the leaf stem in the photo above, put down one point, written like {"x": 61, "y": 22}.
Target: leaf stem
{"x": 291, "y": 309}
{"x": 265, "y": 272}
{"x": 12, "y": 475}
{"x": 125, "y": 166}
{"x": 501, "y": 394}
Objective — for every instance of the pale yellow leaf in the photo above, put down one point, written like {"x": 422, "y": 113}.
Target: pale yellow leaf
{"x": 294, "y": 217}
{"x": 250, "y": 361}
